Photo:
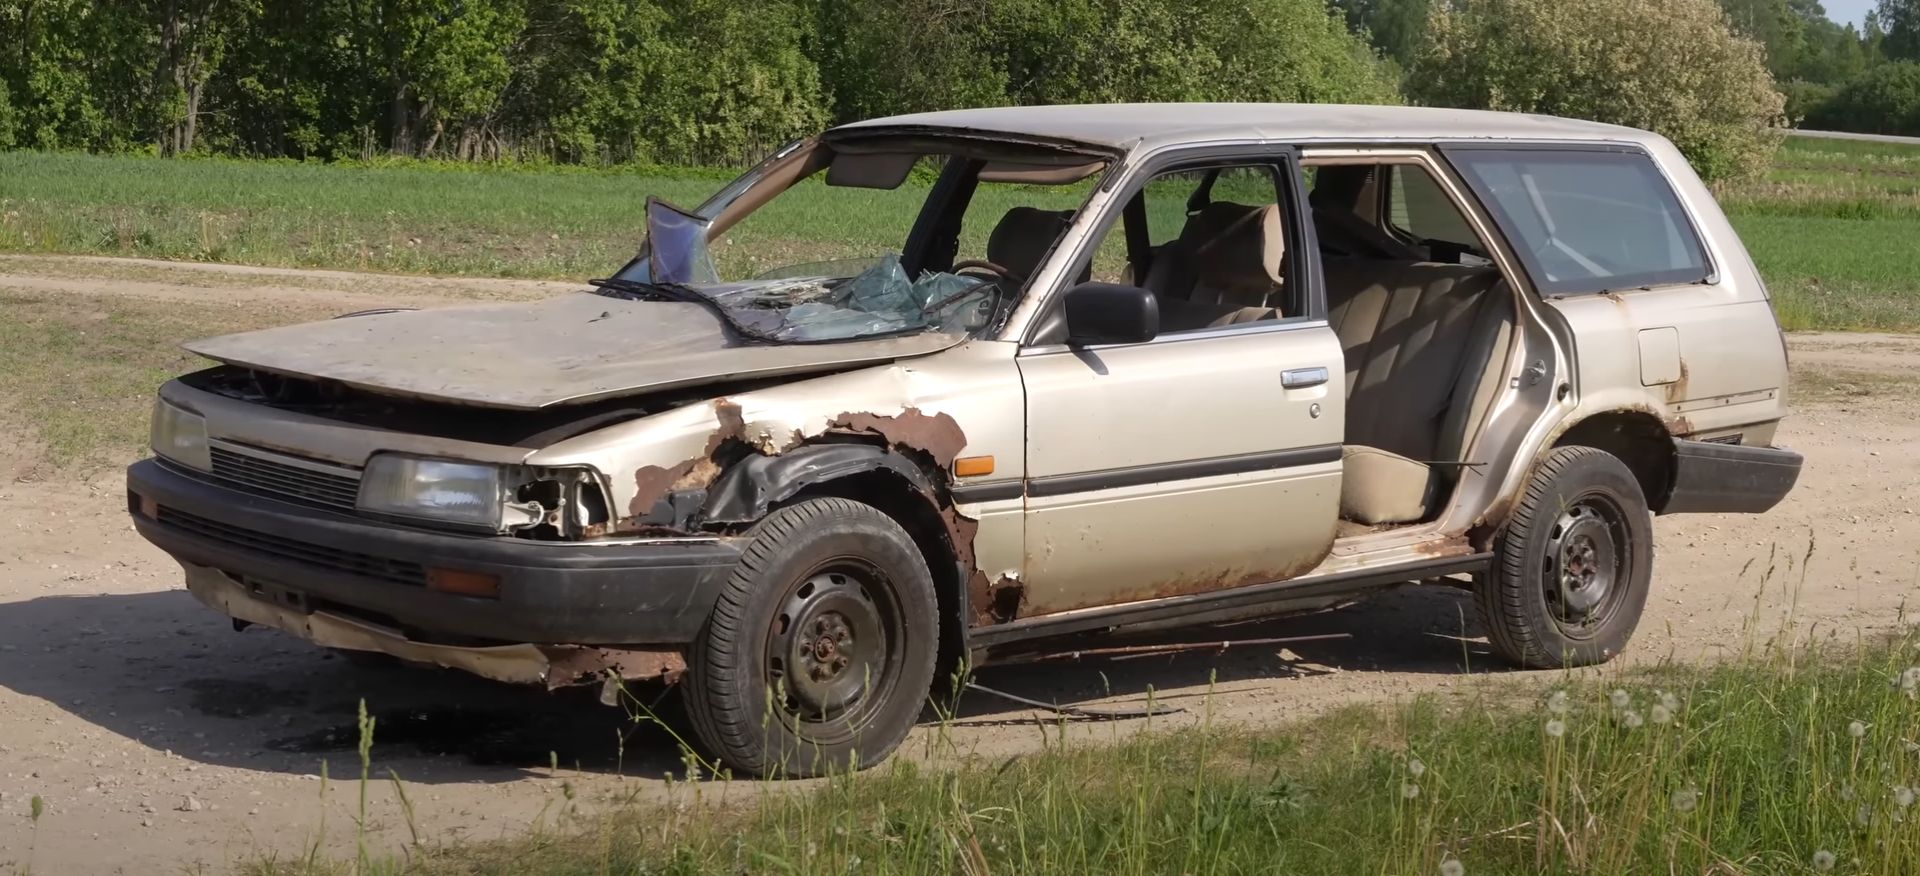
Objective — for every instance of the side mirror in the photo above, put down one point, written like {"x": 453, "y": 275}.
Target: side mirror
{"x": 1110, "y": 313}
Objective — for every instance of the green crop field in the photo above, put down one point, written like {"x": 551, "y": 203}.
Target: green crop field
{"x": 1836, "y": 230}
{"x": 1833, "y": 227}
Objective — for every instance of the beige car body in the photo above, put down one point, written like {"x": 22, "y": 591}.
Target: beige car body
{"x": 1700, "y": 362}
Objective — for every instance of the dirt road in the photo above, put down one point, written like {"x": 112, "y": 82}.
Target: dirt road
{"x": 161, "y": 739}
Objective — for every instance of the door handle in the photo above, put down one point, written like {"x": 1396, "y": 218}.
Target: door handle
{"x": 1302, "y": 378}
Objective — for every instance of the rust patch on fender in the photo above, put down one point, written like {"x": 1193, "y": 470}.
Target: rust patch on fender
{"x": 579, "y": 664}
{"x": 937, "y": 435}
{"x": 651, "y": 483}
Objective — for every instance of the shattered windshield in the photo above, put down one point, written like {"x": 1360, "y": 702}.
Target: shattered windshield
{"x": 842, "y": 247}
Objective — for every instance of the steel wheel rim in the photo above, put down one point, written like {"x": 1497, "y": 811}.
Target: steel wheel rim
{"x": 1588, "y": 555}
{"x": 831, "y": 649}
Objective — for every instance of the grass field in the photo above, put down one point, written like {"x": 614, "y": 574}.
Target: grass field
{"x": 83, "y": 371}
{"x": 1833, "y": 227}
{"x": 1785, "y": 762}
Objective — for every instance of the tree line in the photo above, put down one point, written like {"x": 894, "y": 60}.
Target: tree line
{"x": 723, "y": 81}
{"x": 661, "y": 81}
{"x": 1834, "y": 76}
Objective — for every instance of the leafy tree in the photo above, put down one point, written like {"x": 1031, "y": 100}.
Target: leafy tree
{"x": 1901, "y": 20}
{"x": 943, "y": 53}
{"x": 1674, "y": 67}
{"x": 1396, "y": 28}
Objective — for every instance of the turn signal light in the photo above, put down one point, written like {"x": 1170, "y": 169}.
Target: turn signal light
{"x": 973, "y": 466}
{"x": 463, "y": 583}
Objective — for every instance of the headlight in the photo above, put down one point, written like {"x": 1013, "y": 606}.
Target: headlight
{"x": 180, "y": 436}
{"x": 465, "y": 493}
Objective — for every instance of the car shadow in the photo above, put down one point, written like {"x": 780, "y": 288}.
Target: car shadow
{"x": 161, "y": 669}
{"x": 1423, "y": 630}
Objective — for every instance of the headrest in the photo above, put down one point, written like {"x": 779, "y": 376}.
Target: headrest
{"x": 1023, "y": 236}
{"x": 1241, "y": 264}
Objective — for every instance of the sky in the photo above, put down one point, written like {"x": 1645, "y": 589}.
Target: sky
{"x": 1848, "y": 11}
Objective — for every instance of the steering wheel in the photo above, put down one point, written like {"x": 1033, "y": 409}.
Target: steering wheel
{"x": 987, "y": 266}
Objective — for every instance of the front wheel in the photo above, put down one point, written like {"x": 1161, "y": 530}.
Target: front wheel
{"x": 820, "y": 651}
{"x": 1572, "y": 565}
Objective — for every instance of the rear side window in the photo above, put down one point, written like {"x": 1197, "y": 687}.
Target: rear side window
{"x": 1587, "y": 221}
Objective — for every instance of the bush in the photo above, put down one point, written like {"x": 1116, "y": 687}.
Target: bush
{"x": 1884, "y": 100}
{"x": 1806, "y": 99}
{"x": 1670, "y": 66}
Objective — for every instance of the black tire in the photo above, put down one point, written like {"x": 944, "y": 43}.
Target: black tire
{"x": 819, "y": 654}
{"x": 1573, "y": 564}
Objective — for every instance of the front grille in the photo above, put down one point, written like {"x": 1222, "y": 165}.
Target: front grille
{"x": 347, "y": 562}
{"x": 310, "y": 484}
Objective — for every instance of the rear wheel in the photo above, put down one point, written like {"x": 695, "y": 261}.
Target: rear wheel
{"x": 1573, "y": 564}
{"x": 820, "y": 651}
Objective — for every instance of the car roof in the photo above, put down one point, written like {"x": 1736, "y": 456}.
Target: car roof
{"x": 1129, "y": 126}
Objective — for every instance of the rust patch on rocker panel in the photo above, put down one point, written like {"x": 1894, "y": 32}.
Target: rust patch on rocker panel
{"x": 579, "y": 664}
{"x": 1442, "y": 548}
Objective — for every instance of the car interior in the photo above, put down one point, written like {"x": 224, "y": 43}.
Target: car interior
{"x": 1423, "y": 315}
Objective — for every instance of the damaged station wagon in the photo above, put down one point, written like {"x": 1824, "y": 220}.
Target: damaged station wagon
{"x": 1072, "y": 370}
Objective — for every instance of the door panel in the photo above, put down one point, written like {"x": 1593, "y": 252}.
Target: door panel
{"x": 1181, "y": 465}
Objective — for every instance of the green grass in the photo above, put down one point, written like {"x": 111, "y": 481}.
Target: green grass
{"x": 1834, "y": 228}
{"x": 78, "y": 374}
{"x": 1755, "y": 766}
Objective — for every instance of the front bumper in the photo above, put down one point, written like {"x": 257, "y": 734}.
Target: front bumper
{"x": 655, "y": 592}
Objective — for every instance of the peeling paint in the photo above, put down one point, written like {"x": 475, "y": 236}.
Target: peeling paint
{"x": 652, "y": 483}
{"x": 937, "y": 435}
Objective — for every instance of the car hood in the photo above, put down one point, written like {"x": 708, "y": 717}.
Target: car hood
{"x": 572, "y": 348}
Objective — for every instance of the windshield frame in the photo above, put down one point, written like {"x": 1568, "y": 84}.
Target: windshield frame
{"x": 933, "y": 240}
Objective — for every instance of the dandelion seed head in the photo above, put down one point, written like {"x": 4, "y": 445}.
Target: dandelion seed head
{"x": 1685, "y": 799}
{"x": 1846, "y": 792}
{"x": 1856, "y": 730}
{"x": 1415, "y": 768}
{"x": 1823, "y": 860}
{"x": 1410, "y": 790}
{"x": 1632, "y": 719}
{"x": 1557, "y": 702}
{"x": 1660, "y": 714}
{"x": 1671, "y": 702}
{"x": 1620, "y": 698}
{"x": 1902, "y": 796}
{"x": 1864, "y": 815}
{"x": 1910, "y": 679}
{"x": 1556, "y": 728}
{"x": 1452, "y": 867}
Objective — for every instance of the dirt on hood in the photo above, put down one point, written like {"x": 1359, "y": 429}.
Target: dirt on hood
{"x": 566, "y": 349}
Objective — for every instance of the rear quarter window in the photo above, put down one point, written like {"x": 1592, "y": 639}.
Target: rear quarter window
{"x": 1587, "y": 221}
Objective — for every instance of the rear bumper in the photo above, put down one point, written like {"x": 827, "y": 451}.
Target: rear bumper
{"x": 309, "y": 561}
{"x": 1729, "y": 478}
